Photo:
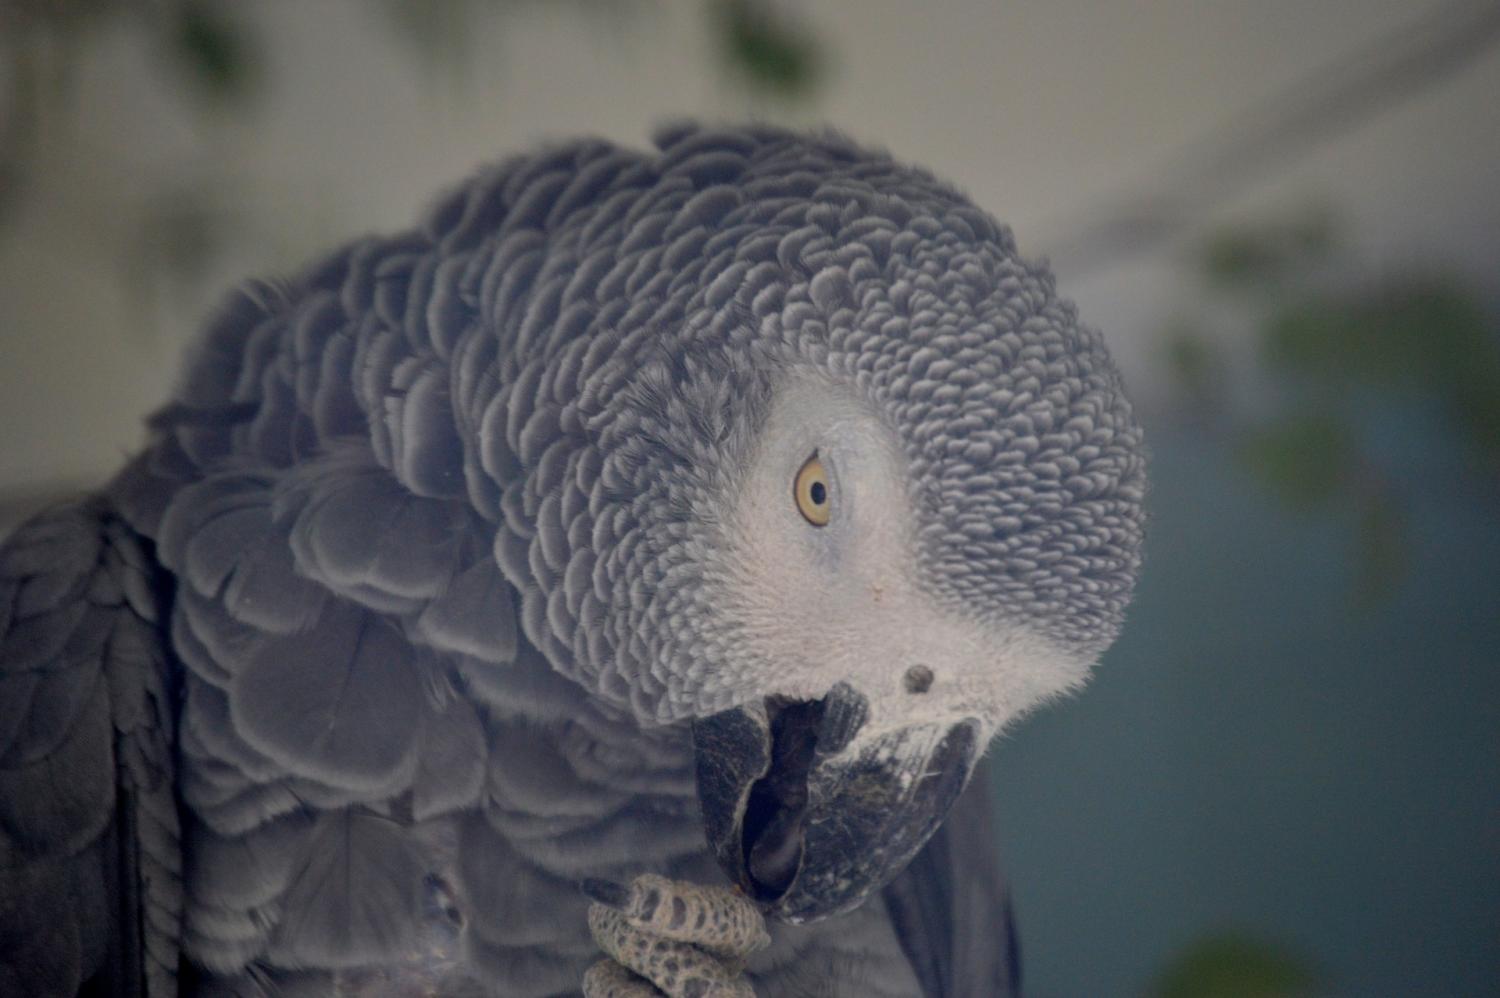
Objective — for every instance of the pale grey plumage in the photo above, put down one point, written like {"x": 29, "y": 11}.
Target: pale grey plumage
{"x": 424, "y": 562}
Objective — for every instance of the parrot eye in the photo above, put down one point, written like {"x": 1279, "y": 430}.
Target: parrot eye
{"x": 810, "y": 490}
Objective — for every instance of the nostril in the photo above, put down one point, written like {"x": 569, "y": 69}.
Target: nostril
{"x": 918, "y": 679}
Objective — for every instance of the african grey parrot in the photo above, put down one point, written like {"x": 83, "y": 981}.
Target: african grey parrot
{"x": 639, "y": 553}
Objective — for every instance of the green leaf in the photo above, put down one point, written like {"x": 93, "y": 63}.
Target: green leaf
{"x": 1306, "y": 458}
{"x": 772, "y": 51}
{"x": 1232, "y": 966}
{"x": 1422, "y": 337}
{"x": 1264, "y": 255}
{"x": 214, "y": 51}
{"x": 1197, "y": 368}
{"x": 1239, "y": 258}
{"x": 1420, "y": 334}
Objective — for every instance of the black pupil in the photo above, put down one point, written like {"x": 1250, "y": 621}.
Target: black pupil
{"x": 819, "y": 493}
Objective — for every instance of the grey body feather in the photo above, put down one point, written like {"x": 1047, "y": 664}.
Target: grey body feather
{"x": 404, "y": 608}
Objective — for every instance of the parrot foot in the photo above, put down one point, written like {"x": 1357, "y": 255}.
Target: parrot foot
{"x": 607, "y": 979}
{"x": 670, "y": 938}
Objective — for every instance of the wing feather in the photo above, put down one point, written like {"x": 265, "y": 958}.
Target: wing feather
{"x": 950, "y": 908}
{"x": 90, "y": 877}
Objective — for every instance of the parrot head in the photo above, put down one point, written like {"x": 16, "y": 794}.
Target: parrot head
{"x": 905, "y": 595}
{"x": 853, "y": 490}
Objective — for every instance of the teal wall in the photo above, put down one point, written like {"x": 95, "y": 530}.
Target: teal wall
{"x": 1259, "y": 755}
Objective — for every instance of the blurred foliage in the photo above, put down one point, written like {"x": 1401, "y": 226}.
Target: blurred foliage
{"x": 1418, "y": 336}
{"x": 758, "y": 41}
{"x": 1330, "y": 346}
{"x": 1308, "y": 457}
{"x": 1239, "y": 259}
{"x": 1232, "y": 966}
{"x": 771, "y": 51}
{"x": 39, "y": 45}
{"x": 206, "y": 45}
{"x": 215, "y": 53}
{"x": 212, "y": 55}
{"x": 442, "y": 33}
{"x": 1195, "y": 366}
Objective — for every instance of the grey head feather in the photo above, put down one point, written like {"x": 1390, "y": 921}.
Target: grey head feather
{"x": 579, "y": 346}
{"x": 744, "y": 255}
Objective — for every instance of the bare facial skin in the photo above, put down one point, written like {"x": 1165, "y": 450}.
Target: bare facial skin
{"x": 843, "y": 602}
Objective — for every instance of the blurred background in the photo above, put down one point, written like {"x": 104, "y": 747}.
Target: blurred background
{"x": 1285, "y": 779}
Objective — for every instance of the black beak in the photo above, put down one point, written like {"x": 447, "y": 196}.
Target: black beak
{"x": 809, "y": 818}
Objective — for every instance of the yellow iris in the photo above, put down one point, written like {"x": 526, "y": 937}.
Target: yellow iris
{"x": 810, "y": 490}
